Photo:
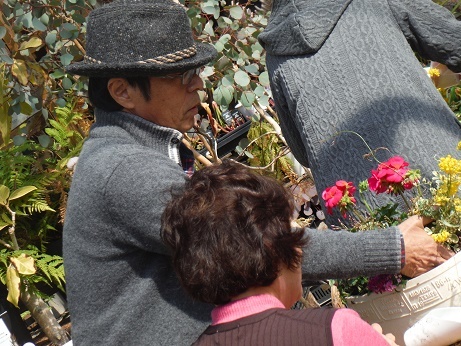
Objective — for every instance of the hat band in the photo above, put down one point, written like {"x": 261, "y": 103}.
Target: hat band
{"x": 163, "y": 59}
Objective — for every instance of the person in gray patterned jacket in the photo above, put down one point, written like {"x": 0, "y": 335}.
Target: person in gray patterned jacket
{"x": 143, "y": 67}
{"x": 342, "y": 66}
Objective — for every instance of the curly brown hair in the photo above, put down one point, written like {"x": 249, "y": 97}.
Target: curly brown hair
{"x": 229, "y": 230}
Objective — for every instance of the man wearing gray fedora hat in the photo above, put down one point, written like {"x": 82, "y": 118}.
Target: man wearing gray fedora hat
{"x": 143, "y": 65}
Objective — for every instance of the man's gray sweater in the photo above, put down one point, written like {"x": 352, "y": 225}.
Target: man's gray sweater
{"x": 121, "y": 287}
{"x": 342, "y": 66}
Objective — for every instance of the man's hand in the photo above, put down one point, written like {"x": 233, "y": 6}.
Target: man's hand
{"x": 422, "y": 253}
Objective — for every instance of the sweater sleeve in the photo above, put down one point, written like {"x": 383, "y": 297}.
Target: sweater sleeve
{"x": 431, "y": 30}
{"x": 342, "y": 254}
{"x": 348, "y": 329}
{"x": 286, "y": 116}
{"x": 136, "y": 195}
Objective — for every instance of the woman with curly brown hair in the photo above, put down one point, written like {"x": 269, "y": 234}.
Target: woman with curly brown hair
{"x": 233, "y": 246}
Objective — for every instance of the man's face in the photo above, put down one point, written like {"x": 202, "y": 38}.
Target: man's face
{"x": 171, "y": 103}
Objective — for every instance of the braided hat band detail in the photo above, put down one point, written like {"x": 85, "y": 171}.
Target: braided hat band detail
{"x": 163, "y": 59}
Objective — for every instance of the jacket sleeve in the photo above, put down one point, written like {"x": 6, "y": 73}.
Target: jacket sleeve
{"x": 430, "y": 29}
{"x": 342, "y": 254}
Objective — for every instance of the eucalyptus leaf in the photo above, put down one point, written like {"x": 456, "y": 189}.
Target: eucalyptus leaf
{"x": 61, "y": 102}
{"x": 253, "y": 69}
{"x": 57, "y": 74}
{"x": 66, "y": 59}
{"x": 6, "y": 58}
{"x": 209, "y": 28}
{"x": 27, "y": 20}
{"x": 44, "y": 140}
{"x": 38, "y": 25}
{"x": 247, "y": 99}
{"x": 45, "y": 19}
{"x": 50, "y": 38}
{"x": 242, "y": 78}
{"x": 67, "y": 83}
{"x": 223, "y": 95}
{"x": 248, "y": 154}
{"x": 236, "y": 12}
{"x": 264, "y": 79}
{"x": 18, "y": 140}
{"x": 2, "y": 31}
{"x": 259, "y": 90}
{"x": 228, "y": 80}
{"x": 264, "y": 100}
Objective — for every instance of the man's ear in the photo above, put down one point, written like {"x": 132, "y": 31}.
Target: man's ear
{"x": 119, "y": 89}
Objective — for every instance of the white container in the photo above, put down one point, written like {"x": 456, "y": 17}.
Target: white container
{"x": 398, "y": 311}
{"x": 439, "y": 327}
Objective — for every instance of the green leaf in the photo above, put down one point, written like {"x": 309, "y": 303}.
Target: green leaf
{"x": 50, "y": 38}
{"x": 2, "y": 31}
{"x": 264, "y": 79}
{"x": 209, "y": 28}
{"x": 57, "y": 74}
{"x": 66, "y": 59}
{"x": 247, "y": 99}
{"x": 253, "y": 69}
{"x": 242, "y": 78}
{"x": 4, "y": 194}
{"x": 67, "y": 83}
{"x": 264, "y": 100}
{"x": 44, "y": 140}
{"x": 22, "y": 191}
{"x": 213, "y": 9}
{"x": 223, "y": 95}
{"x": 38, "y": 25}
{"x": 236, "y": 12}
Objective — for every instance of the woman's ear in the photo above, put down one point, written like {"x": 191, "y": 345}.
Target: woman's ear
{"x": 119, "y": 89}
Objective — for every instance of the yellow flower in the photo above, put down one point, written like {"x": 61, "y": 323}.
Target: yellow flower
{"x": 450, "y": 165}
{"x": 441, "y": 237}
{"x": 459, "y": 146}
{"x": 433, "y": 72}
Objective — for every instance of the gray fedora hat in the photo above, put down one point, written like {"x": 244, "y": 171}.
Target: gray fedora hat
{"x": 128, "y": 38}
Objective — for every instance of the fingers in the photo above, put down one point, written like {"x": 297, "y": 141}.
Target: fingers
{"x": 444, "y": 253}
{"x": 377, "y": 327}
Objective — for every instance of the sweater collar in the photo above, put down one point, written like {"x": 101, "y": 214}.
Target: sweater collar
{"x": 144, "y": 132}
{"x": 244, "y": 307}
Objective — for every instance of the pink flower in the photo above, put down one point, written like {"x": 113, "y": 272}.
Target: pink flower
{"x": 340, "y": 195}
{"x": 332, "y": 195}
{"x": 391, "y": 176}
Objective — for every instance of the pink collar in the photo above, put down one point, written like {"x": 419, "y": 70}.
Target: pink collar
{"x": 244, "y": 307}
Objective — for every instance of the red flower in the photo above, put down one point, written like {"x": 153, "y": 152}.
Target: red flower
{"x": 391, "y": 176}
{"x": 332, "y": 195}
{"x": 341, "y": 194}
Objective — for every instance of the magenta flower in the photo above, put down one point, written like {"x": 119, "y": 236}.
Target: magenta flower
{"x": 384, "y": 283}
